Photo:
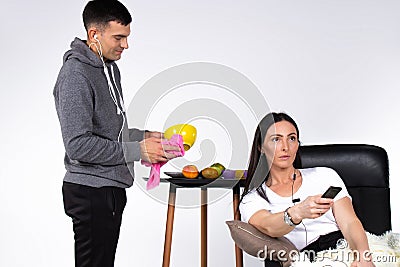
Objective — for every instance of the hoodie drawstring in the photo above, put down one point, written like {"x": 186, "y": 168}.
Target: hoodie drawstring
{"x": 121, "y": 106}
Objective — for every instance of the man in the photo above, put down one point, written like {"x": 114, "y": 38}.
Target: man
{"x": 89, "y": 103}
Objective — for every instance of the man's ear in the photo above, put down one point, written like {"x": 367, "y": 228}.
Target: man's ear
{"x": 91, "y": 34}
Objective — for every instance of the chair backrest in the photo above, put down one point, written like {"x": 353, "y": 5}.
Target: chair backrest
{"x": 365, "y": 172}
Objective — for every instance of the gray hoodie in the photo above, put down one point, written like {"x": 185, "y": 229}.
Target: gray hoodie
{"x": 90, "y": 124}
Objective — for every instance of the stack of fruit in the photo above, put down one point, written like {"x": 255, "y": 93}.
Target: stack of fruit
{"x": 212, "y": 172}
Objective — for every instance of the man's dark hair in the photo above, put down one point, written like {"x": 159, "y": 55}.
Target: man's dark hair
{"x": 101, "y": 12}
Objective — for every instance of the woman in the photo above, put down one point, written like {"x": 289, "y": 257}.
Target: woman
{"x": 281, "y": 199}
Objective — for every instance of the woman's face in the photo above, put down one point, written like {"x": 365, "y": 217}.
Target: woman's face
{"x": 281, "y": 145}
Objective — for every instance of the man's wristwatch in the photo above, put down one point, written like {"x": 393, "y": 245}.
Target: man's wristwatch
{"x": 287, "y": 219}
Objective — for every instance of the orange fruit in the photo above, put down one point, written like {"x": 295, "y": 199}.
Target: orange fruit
{"x": 190, "y": 171}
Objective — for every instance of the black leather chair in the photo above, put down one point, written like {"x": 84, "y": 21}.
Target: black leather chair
{"x": 365, "y": 172}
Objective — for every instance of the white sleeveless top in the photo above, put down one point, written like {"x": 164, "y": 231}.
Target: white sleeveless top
{"x": 315, "y": 181}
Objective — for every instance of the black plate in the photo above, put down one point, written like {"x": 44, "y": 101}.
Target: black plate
{"x": 179, "y": 179}
{"x": 190, "y": 182}
{"x": 175, "y": 175}
{"x": 199, "y": 181}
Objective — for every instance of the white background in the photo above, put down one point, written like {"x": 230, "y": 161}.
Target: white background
{"x": 333, "y": 65}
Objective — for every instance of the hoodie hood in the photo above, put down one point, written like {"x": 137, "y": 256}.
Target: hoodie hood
{"x": 80, "y": 51}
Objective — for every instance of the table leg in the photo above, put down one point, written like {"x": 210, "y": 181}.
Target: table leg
{"x": 236, "y": 214}
{"x": 169, "y": 225}
{"x": 203, "y": 208}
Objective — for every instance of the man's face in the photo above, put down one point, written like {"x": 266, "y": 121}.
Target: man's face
{"x": 114, "y": 39}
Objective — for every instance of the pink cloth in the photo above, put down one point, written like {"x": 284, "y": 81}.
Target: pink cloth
{"x": 154, "y": 178}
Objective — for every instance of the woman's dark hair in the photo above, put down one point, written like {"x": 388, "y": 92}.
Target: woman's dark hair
{"x": 258, "y": 170}
{"x": 101, "y": 12}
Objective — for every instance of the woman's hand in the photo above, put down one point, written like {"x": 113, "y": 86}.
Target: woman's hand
{"x": 312, "y": 207}
{"x": 362, "y": 263}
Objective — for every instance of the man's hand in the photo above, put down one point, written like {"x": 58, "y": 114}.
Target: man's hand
{"x": 152, "y": 150}
{"x": 153, "y": 134}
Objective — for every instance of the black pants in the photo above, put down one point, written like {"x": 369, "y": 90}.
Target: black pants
{"x": 96, "y": 216}
{"x": 322, "y": 243}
